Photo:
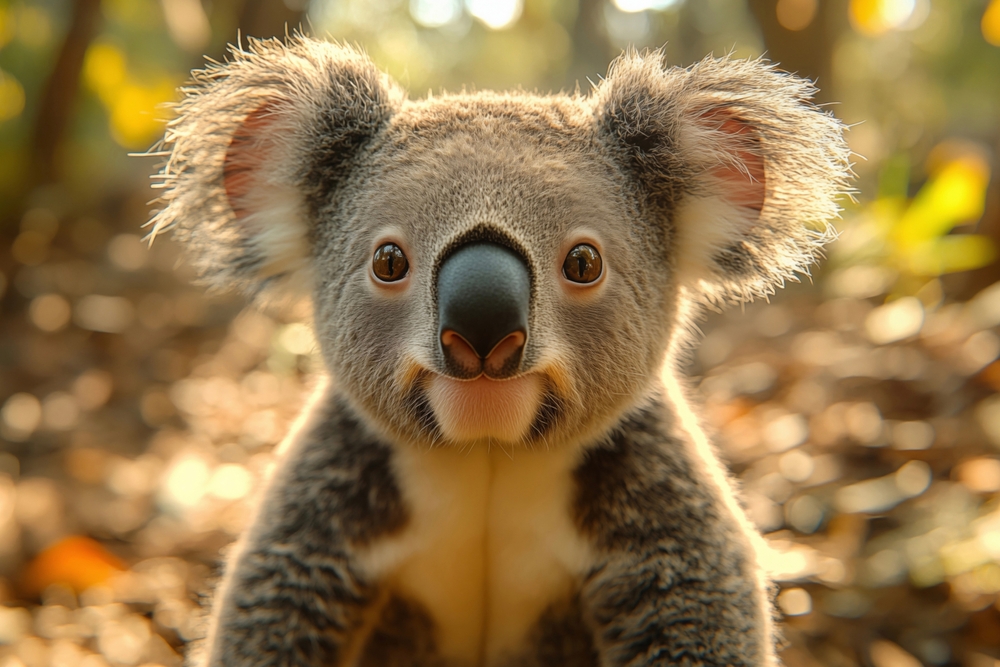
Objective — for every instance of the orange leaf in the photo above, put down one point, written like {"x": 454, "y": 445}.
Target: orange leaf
{"x": 78, "y": 562}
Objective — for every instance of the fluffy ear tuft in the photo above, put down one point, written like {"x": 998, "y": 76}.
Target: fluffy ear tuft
{"x": 736, "y": 161}
{"x": 259, "y": 142}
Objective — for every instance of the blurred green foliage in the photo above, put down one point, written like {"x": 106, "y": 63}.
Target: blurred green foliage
{"x": 913, "y": 237}
{"x": 916, "y": 72}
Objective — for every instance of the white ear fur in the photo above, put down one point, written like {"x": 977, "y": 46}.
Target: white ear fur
{"x": 705, "y": 224}
{"x": 259, "y": 178}
{"x": 725, "y": 200}
{"x": 280, "y": 233}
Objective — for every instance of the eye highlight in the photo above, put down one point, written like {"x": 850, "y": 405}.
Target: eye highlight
{"x": 583, "y": 264}
{"x": 389, "y": 263}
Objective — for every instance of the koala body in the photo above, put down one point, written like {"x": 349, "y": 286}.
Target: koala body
{"x": 502, "y": 468}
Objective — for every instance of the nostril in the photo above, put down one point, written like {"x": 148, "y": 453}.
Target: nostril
{"x": 484, "y": 294}
{"x": 505, "y": 356}
{"x": 459, "y": 352}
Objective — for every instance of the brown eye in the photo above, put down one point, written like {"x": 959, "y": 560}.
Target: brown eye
{"x": 389, "y": 263}
{"x": 583, "y": 264}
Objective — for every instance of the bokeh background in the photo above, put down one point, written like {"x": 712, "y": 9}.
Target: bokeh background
{"x": 859, "y": 409}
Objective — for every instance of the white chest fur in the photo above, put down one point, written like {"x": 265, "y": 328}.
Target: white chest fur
{"x": 490, "y": 544}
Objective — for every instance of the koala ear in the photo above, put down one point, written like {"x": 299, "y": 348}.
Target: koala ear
{"x": 258, "y": 144}
{"x": 735, "y": 160}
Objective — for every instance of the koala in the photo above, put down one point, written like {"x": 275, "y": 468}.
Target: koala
{"x": 502, "y": 467}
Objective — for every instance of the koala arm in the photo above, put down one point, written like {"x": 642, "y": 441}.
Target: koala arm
{"x": 678, "y": 583}
{"x": 292, "y": 595}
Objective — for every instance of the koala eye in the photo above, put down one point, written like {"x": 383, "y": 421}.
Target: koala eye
{"x": 583, "y": 264}
{"x": 389, "y": 263}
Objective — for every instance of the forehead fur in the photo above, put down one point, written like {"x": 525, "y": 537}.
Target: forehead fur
{"x": 514, "y": 161}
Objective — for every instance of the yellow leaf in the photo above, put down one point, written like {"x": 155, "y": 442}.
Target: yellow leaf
{"x": 991, "y": 23}
{"x": 951, "y": 254}
{"x": 136, "y": 116}
{"x": 957, "y": 194}
{"x": 874, "y": 17}
{"x": 104, "y": 70}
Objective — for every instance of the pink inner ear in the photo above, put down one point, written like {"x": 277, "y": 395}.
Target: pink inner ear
{"x": 245, "y": 156}
{"x": 744, "y": 187}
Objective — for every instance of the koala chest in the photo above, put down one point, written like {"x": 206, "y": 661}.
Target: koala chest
{"x": 491, "y": 545}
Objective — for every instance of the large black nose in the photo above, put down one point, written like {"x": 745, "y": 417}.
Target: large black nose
{"x": 484, "y": 292}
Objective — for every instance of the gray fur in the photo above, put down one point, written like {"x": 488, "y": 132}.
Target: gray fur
{"x": 403, "y": 637}
{"x": 561, "y": 638}
{"x": 674, "y": 578}
{"x": 674, "y": 585}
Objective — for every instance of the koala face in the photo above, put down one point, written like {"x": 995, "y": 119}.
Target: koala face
{"x": 525, "y": 176}
{"x": 505, "y": 269}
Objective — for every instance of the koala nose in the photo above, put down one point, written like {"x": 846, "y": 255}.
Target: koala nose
{"x": 484, "y": 292}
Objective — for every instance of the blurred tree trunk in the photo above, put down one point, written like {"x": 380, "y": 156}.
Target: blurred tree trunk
{"x": 807, "y": 52}
{"x": 59, "y": 95}
{"x": 592, "y": 51}
{"x": 271, "y": 18}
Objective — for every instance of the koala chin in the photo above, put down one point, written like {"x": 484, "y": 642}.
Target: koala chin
{"x": 485, "y": 409}
{"x": 501, "y": 467}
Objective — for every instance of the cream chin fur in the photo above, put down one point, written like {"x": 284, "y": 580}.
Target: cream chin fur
{"x": 484, "y": 409}
{"x": 490, "y": 545}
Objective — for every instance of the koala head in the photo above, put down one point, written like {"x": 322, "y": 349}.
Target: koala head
{"x": 499, "y": 268}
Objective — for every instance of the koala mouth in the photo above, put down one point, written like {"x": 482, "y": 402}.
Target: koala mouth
{"x": 479, "y": 393}
{"x": 484, "y": 409}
